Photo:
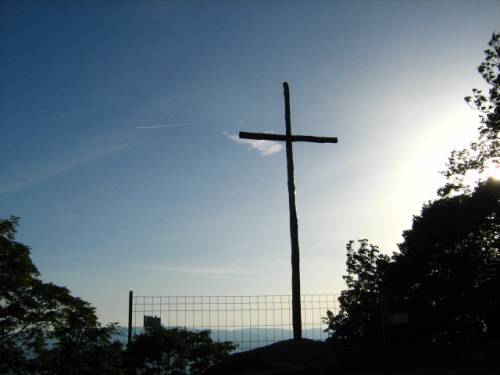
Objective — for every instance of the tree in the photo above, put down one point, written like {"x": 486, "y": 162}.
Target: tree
{"x": 26, "y": 308}
{"x": 46, "y": 330}
{"x": 447, "y": 274}
{"x": 483, "y": 153}
{"x": 174, "y": 351}
{"x": 358, "y": 318}
{"x": 450, "y": 257}
{"x": 43, "y": 328}
{"x": 80, "y": 344}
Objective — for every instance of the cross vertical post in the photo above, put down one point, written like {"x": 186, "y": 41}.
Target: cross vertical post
{"x": 294, "y": 232}
{"x": 288, "y": 138}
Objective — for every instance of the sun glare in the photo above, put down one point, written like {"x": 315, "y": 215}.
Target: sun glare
{"x": 493, "y": 171}
{"x": 472, "y": 177}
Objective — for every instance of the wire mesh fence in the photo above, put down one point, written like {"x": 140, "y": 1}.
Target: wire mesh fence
{"x": 248, "y": 321}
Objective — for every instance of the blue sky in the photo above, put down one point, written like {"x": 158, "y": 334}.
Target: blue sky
{"x": 118, "y": 122}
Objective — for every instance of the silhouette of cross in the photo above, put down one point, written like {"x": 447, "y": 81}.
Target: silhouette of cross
{"x": 289, "y": 138}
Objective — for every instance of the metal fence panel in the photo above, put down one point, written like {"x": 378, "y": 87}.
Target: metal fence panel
{"x": 249, "y": 321}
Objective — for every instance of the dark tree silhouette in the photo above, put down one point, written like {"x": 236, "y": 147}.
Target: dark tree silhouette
{"x": 43, "y": 328}
{"x": 358, "y": 317}
{"x": 447, "y": 274}
{"x": 484, "y": 152}
{"x": 174, "y": 351}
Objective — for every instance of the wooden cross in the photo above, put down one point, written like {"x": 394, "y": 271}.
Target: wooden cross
{"x": 289, "y": 138}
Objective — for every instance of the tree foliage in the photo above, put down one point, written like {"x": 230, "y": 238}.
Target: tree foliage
{"x": 482, "y": 153}
{"x": 446, "y": 275}
{"x": 46, "y": 330}
{"x": 359, "y": 311}
{"x": 43, "y": 328}
{"x": 174, "y": 351}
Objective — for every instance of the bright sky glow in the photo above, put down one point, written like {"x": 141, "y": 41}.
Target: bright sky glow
{"x": 118, "y": 124}
{"x": 472, "y": 177}
{"x": 493, "y": 172}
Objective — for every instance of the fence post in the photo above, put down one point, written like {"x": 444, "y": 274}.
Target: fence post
{"x": 130, "y": 298}
{"x": 386, "y": 331}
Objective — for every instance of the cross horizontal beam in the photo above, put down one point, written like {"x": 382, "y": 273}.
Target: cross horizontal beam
{"x": 293, "y": 138}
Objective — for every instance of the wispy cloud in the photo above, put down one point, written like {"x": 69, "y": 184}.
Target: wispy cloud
{"x": 255, "y": 266}
{"x": 56, "y": 167}
{"x": 208, "y": 271}
{"x": 163, "y": 126}
{"x": 265, "y": 148}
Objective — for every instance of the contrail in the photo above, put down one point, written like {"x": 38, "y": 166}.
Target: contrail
{"x": 162, "y": 126}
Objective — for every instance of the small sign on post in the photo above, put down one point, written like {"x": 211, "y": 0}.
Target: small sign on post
{"x": 398, "y": 318}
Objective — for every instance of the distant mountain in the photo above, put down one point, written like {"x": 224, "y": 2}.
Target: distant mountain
{"x": 246, "y": 339}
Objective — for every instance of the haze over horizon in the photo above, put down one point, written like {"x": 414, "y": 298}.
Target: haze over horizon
{"x": 119, "y": 126}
